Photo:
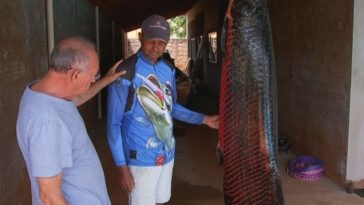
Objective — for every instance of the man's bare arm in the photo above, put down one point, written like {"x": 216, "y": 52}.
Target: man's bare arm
{"x": 110, "y": 76}
{"x": 50, "y": 192}
{"x": 126, "y": 180}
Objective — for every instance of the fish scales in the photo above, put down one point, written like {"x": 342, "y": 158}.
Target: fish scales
{"x": 248, "y": 122}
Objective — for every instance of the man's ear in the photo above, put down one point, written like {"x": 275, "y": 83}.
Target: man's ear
{"x": 75, "y": 75}
{"x": 140, "y": 35}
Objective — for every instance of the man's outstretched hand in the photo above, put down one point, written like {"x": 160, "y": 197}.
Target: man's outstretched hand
{"x": 109, "y": 77}
{"x": 211, "y": 121}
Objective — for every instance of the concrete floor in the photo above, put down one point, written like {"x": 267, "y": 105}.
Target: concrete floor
{"x": 197, "y": 176}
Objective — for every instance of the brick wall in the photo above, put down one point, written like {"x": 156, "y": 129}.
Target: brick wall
{"x": 176, "y": 47}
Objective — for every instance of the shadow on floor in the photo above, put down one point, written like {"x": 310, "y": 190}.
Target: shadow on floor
{"x": 192, "y": 192}
{"x": 360, "y": 192}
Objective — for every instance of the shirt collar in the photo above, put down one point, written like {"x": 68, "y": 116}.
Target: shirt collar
{"x": 145, "y": 59}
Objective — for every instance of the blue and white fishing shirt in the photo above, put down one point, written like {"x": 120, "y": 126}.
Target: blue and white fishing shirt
{"x": 143, "y": 135}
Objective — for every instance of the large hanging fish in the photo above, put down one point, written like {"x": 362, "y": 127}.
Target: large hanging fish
{"x": 248, "y": 128}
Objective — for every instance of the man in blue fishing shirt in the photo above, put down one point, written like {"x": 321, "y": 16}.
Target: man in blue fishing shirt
{"x": 140, "y": 117}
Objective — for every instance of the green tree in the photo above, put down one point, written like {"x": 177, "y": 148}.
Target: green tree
{"x": 178, "y": 26}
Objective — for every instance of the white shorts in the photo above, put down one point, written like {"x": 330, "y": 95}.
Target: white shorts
{"x": 152, "y": 184}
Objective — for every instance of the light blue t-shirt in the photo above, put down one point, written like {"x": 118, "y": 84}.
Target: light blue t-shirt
{"x": 53, "y": 139}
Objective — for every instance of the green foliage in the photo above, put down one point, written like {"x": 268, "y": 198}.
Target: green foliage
{"x": 178, "y": 26}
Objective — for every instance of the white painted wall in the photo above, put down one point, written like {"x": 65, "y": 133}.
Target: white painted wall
{"x": 355, "y": 163}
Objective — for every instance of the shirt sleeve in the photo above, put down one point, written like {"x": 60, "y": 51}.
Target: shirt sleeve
{"x": 181, "y": 113}
{"x": 50, "y": 148}
{"x": 117, "y": 96}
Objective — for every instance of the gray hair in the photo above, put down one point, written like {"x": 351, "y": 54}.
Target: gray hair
{"x": 69, "y": 53}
